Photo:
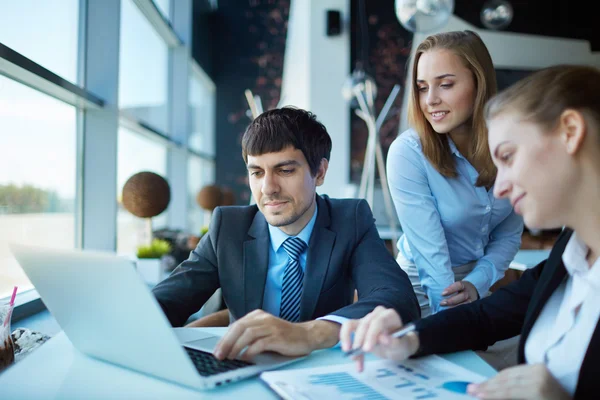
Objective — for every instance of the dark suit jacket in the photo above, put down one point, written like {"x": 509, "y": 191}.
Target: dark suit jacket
{"x": 344, "y": 252}
{"x": 508, "y": 312}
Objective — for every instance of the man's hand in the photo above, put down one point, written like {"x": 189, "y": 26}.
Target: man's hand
{"x": 525, "y": 382}
{"x": 462, "y": 292}
{"x": 260, "y": 331}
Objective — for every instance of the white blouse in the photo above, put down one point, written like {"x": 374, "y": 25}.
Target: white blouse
{"x": 561, "y": 334}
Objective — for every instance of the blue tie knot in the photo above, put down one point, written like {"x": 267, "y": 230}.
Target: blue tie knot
{"x": 294, "y": 246}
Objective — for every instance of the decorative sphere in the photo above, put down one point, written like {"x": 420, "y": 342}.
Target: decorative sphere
{"x": 209, "y": 197}
{"x": 228, "y": 197}
{"x": 423, "y": 16}
{"x": 146, "y": 194}
{"x": 496, "y": 14}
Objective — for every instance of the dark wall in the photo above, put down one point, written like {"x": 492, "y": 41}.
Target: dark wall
{"x": 202, "y": 36}
{"x": 246, "y": 52}
{"x": 559, "y": 18}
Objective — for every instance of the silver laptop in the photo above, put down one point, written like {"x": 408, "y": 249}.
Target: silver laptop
{"x": 109, "y": 313}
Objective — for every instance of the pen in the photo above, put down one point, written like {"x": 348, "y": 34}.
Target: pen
{"x": 398, "y": 334}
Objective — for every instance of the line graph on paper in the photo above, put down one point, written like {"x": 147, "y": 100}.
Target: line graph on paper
{"x": 427, "y": 378}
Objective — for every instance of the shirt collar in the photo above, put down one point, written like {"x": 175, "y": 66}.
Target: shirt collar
{"x": 574, "y": 258}
{"x": 453, "y": 148}
{"x": 278, "y": 236}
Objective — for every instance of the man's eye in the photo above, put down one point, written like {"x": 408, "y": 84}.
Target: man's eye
{"x": 287, "y": 171}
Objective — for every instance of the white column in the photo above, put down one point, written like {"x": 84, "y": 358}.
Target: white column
{"x": 315, "y": 68}
{"x": 100, "y": 72}
{"x": 179, "y": 113}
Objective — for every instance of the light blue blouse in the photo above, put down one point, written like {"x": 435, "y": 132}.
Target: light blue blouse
{"x": 448, "y": 222}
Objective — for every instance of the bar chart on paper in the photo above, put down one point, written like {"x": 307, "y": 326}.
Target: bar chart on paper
{"x": 427, "y": 378}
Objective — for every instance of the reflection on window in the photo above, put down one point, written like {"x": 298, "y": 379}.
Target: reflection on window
{"x": 202, "y": 114}
{"x": 200, "y": 173}
{"x": 136, "y": 153}
{"x": 143, "y": 69}
{"x": 37, "y": 176}
{"x": 24, "y": 22}
{"x": 164, "y": 6}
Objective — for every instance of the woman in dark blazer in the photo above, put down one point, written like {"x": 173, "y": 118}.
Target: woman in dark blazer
{"x": 544, "y": 136}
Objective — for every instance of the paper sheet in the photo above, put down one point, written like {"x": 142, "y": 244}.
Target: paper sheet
{"x": 430, "y": 377}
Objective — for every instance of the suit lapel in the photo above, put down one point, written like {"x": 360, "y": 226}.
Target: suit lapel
{"x": 552, "y": 276}
{"x": 587, "y": 381}
{"x": 320, "y": 247}
{"x": 256, "y": 263}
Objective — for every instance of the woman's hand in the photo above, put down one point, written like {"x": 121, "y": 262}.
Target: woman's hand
{"x": 461, "y": 292}
{"x": 525, "y": 382}
{"x": 373, "y": 333}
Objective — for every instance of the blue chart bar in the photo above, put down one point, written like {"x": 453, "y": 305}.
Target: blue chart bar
{"x": 347, "y": 384}
{"x": 422, "y": 393}
{"x": 384, "y": 373}
{"x": 404, "y": 383}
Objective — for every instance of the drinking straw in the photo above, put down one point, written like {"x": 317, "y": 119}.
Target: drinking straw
{"x": 11, "y": 306}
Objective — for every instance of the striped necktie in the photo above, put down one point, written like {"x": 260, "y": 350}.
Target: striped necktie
{"x": 291, "y": 289}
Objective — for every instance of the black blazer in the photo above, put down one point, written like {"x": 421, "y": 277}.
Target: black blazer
{"x": 344, "y": 252}
{"x": 509, "y": 311}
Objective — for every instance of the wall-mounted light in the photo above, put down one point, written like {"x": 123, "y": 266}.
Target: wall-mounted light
{"x": 334, "y": 23}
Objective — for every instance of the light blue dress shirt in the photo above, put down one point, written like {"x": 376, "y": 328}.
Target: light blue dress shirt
{"x": 449, "y": 222}
{"x": 278, "y": 260}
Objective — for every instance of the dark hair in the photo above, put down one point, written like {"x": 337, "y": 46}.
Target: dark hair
{"x": 275, "y": 130}
{"x": 542, "y": 96}
{"x": 469, "y": 47}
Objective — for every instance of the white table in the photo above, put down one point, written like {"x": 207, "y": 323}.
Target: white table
{"x": 58, "y": 371}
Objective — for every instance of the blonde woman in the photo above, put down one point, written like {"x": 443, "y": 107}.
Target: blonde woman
{"x": 458, "y": 240}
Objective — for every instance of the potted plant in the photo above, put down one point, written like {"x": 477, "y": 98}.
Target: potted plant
{"x": 150, "y": 259}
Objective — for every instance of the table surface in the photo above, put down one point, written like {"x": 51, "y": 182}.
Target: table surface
{"x": 58, "y": 371}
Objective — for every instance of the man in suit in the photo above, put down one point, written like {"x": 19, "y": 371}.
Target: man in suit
{"x": 289, "y": 265}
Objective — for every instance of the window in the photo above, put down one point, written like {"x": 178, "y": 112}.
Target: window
{"x": 52, "y": 149}
{"x": 37, "y": 176}
{"x": 200, "y": 173}
{"x": 137, "y": 153}
{"x": 27, "y": 28}
{"x": 202, "y": 112}
{"x": 143, "y": 69}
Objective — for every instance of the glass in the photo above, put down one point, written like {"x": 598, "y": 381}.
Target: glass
{"x": 24, "y": 22}
{"x": 202, "y": 115}
{"x": 38, "y": 136}
{"x": 7, "y": 348}
{"x": 200, "y": 173}
{"x": 136, "y": 153}
{"x": 143, "y": 69}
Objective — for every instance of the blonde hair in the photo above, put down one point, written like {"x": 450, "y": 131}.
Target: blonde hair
{"x": 469, "y": 47}
{"x": 542, "y": 96}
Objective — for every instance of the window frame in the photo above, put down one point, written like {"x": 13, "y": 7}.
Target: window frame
{"x": 96, "y": 98}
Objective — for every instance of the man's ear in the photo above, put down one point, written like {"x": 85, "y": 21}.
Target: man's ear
{"x": 572, "y": 128}
{"x": 322, "y": 171}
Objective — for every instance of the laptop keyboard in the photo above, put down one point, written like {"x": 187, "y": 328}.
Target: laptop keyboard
{"x": 207, "y": 364}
